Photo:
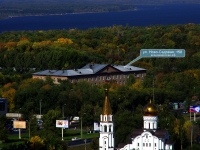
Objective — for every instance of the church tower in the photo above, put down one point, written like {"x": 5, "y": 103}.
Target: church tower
{"x": 106, "y": 139}
{"x": 150, "y": 117}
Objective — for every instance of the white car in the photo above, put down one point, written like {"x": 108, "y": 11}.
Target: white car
{"x": 75, "y": 138}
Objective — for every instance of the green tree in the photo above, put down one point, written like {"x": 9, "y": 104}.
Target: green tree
{"x": 94, "y": 144}
{"x": 3, "y": 130}
{"x": 49, "y": 132}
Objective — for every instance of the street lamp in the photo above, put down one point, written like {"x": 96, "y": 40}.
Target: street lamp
{"x": 19, "y": 128}
{"x": 63, "y": 111}
{"x": 40, "y": 107}
{"x": 82, "y": 125}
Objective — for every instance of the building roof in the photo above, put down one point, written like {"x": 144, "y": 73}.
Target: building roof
{"x": 88, "y": 69}
{"x": 169, "y": 142}
{"x": 150, "y": 109}
{"x": 106, "y": 108}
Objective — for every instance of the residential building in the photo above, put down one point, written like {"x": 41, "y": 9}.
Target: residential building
{"x": 93, "y": 73}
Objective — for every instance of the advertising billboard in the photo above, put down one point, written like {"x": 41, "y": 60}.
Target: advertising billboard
{"x": 96, "y": 126}
{"x": 194, "y": 109}
{"x": 19, "y": 124}
{"x": 62, "y": 123}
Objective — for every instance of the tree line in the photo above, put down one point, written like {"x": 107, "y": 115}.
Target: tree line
{"x": 47, "y": 7}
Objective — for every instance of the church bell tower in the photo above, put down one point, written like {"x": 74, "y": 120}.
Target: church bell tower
{"x": 106, "y": 139}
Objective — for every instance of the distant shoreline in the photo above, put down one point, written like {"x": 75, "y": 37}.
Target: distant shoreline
{"x": 65, "y": 14}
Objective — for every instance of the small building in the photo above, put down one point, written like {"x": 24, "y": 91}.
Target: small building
{"x": 3, "y": 106}
{"x": 93, "y": 73}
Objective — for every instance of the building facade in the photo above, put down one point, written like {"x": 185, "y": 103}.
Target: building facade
{"x": 93, "y": 73}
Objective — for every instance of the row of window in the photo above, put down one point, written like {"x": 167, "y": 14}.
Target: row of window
{"x": 147, "y": 144}
{"x": 106, "y": 129}
{"x": 97, "y": 78}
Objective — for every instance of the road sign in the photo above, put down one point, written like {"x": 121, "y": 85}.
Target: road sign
{"x": 162, "y": 53}
{"x": 159, "y": 53}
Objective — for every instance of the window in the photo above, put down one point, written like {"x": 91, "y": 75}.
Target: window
{"x": 143, "y": 144}
{"x": 149, "y": 144}
{"x": 105, "y": 128}
{"x": 109, "y": 128}
{"x": 155, "y": 144}
{"x": 146, "y": 144}
{"x": 138, "y": 144}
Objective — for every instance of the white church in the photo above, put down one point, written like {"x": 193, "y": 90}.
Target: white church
{"x": 148, "y": 138}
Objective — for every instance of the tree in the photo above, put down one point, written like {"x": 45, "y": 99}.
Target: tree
{"x": 94, "y": 144}
{"x": 37, "y": 143}
{"x": 50, "y": 132}
{"x": 130, "y": 80}
{"x": 3, "y": 130}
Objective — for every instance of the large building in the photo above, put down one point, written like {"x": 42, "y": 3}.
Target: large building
{"x": 147, "y": 138}
{"x": 93, "y": 73}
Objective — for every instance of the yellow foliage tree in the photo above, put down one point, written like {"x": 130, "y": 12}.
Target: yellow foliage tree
{"x": 11, "y": 45}
{"x": 37, "y": 142}
{"x": 137, "y": 84}
{"x": 187, "y": 127}
{"x": 63, "y": 41}
{"x": 9, "y": 94}
{"x": 41, "y": 45}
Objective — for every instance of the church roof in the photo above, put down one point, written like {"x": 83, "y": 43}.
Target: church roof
{"x": 160, "y": 133}
{"x": 169, "y": 142}
{"x": 106, "y": 108}
{"x": 150, "y": 109}
{"x": 121, "y": 145}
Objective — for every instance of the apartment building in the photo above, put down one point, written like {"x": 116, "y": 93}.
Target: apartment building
{"x": 93, "y": 73}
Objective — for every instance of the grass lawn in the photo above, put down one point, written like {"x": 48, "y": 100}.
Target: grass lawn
{"x": 67, "y": 136}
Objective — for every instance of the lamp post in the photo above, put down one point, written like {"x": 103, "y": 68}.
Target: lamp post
{"x": 19, "y": 128}
{"x": 63, "y": 111}
{"x": 63, "y": 115}
{"x": 40, "y": 107}
{"x": 82, "y": 125}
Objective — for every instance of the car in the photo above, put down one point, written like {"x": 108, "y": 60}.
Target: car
{"x": 75, "y": 138}
{"x": 15, "y": 130}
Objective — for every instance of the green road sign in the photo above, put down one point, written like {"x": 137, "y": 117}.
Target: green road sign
{"x": 159, "y": 53}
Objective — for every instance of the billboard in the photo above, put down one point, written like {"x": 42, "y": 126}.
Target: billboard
{"x": 96, "y": 126}
{"x": 19, "y": 124}
{"x": 194, "y": 109}
{"x": 62, "y": 123}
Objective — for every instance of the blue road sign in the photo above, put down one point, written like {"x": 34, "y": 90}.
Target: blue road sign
{"x": 170, "y": 53}
{"x": 159, "y": 53}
